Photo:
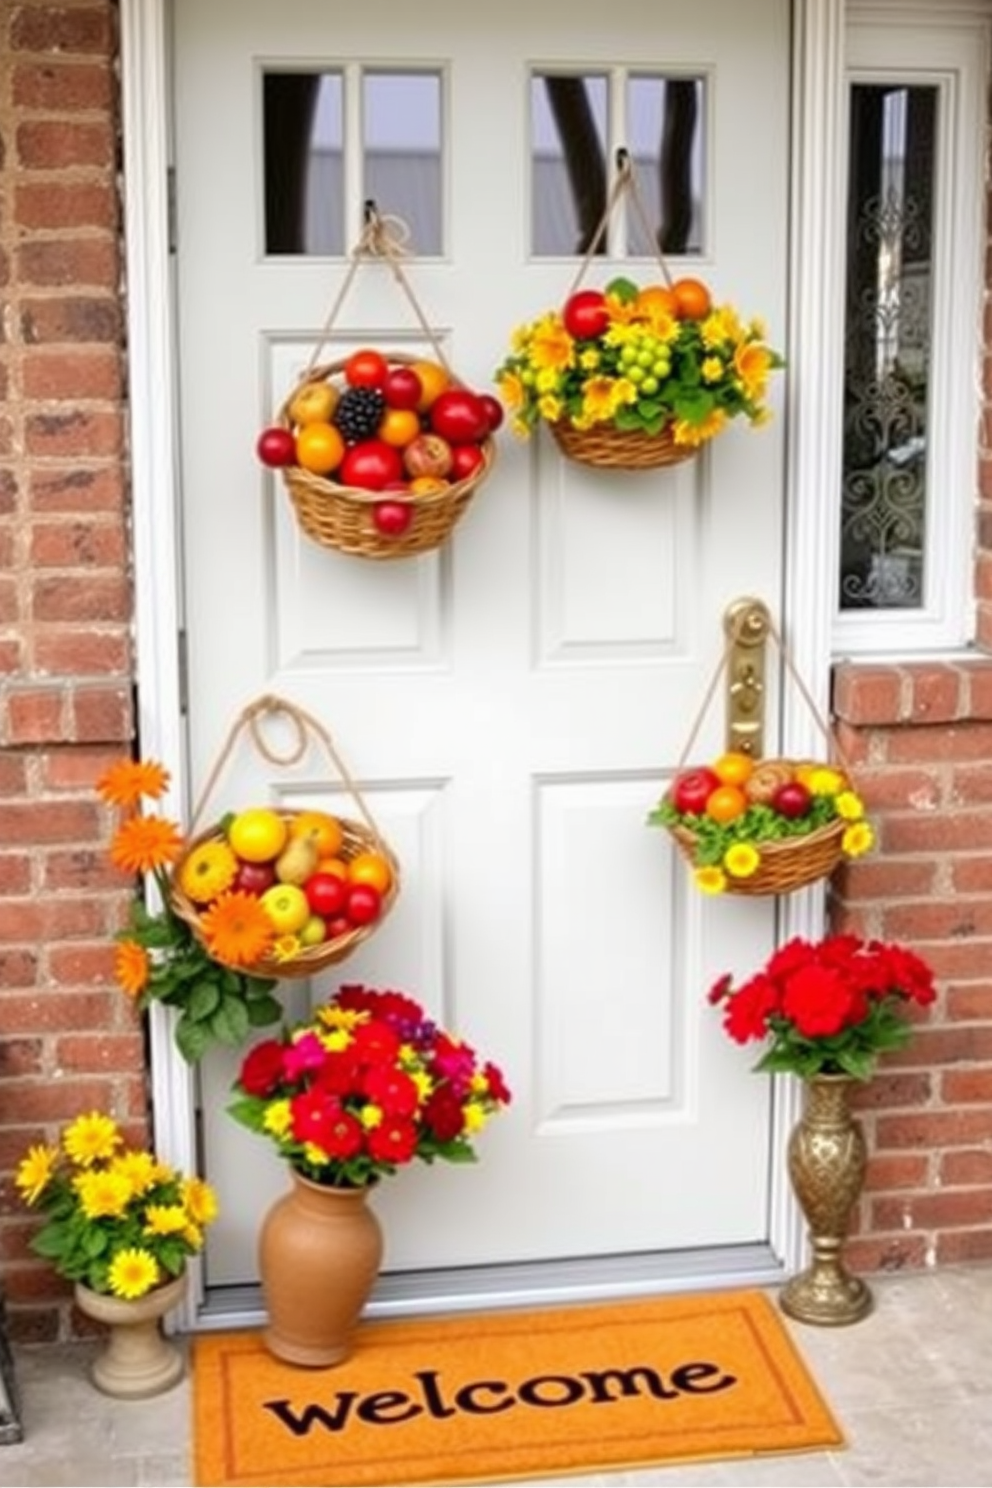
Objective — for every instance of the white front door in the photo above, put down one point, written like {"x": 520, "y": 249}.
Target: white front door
{"x": 512, "y": 705}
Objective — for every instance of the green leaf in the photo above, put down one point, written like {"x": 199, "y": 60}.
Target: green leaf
{"x": 203, "y": 999}
{"x": 192, "y": 1039}
{"x": 230, "y": 1024}
{"x": 263, "y": 1011}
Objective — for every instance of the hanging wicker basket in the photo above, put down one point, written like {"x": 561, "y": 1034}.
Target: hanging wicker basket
{"x": 785, "y": 863}
{"x": 343, "y": 517}
{"x": 620, "y": 449}
{"x": 360, "y": 834}
{"x": 357, "y": 838}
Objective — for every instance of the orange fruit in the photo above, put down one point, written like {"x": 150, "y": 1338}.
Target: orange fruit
{"x": 734, "y": 767}
{"x": 370, "y": 868}
{"x": 726, "y": 803}
{"x": 428, "y": 485}
{"x": 693, "y": 298}
{"x": 319, "y": 448}
{"x": 433, "y": 379}
{"x": 332, "y": 864}
{"x": 320, "y": 828}
{"x": 399, "y": 426}
{"x": 656, "y": 297}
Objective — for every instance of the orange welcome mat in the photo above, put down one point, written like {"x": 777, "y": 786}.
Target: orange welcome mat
{"x": 485, "y": 1397}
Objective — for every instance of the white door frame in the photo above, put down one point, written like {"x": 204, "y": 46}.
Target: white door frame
{"x": 814, "y": 352}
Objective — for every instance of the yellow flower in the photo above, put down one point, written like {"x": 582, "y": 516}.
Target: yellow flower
{"x": 208, "y": 871}
{"x": 826, "y": 782}
{"x": 370, "y": 1116}
{"x": 139, "y": 1168}
{"x": 550, "y": 408}
{"x": 511, "y": 390}
{"x": 475, "y": 1117}
{"x": 752, "y": 363}
{"x": 278, "y": 1118}
{"x": 849, "y": 805}
{"x": 551, "y": 345}
{"x": 127, "y": 781}
{"x": 339, "y": 1017}
{"x": 34, "y": 1172}
{"x": 712, "y": 369}
{"x": 741, "y": 860}
{"x": 697, "y": 434}
{"x": 200, "y": 1200}
{"x": 286, "y": 947}
{"x": 711, "y": 880}
{"x": 144, "y": 843}
{"x": 720, "y": 326}
{"x": 165, "y": 1219}
{"x": 132, "y": 967}
{"x": 132, "y": 1273}
{"x": 858, "y": 839}
{"x": 91, "y": 1138}
{"x": 103, "y": 1194}
{"x": 315, "y": 1154}
{"x": 423, "y": 1082}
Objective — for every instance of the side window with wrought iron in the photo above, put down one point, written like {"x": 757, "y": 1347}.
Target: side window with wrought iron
{"x": 911, "y": 338}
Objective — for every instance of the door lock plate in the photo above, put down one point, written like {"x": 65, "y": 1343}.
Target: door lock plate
{"x": 746, "y": 623}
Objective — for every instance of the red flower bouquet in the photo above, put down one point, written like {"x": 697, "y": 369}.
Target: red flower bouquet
{"x": 829, "y": 1007}
{"x": 369, "y": 1083}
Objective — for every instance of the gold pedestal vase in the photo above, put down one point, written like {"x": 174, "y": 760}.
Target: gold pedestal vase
{"x": 319, "y": 1254}
{"x": 137, "y": 1360}
{"x": 826, "y": 1159}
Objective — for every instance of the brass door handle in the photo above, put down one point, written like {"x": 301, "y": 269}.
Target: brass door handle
{"x": 746, "y": 623}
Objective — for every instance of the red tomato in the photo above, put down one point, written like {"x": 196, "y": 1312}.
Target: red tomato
{"x": 366, "y": 368}
{"x": 392, "y": 518}
{"x": 363, "y": 904}
{"x": 402, "y": 388}
{"x": 459, "y": 416}
{"x": 370, "y": 465}
{"x": 693, "y": 788}
{"x": 465, "y": 460}
{"x": 326, "y": 894}
{"x": 585, "y": 314}
{"x": 276, "y": 446}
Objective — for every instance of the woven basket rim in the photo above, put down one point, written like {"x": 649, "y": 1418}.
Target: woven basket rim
{"x": 311, "y": 958}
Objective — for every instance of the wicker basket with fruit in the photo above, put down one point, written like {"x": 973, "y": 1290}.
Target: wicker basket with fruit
{"x": 381, "y": 452}
{"x": 763, "y": 827}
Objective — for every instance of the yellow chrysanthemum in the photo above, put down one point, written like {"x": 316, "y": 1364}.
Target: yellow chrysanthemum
{"x": 132, "y": 967}
{"x": 208, "y": 871}
{"x": 723, "y": 324}
{"x": 370, "y": 1116}
{"x": 600, "y": 398}
{"x": 696, "y": 434}
{"x": 34, "y": 1172}
{"x": 277, "y": 1118}
{"x": 193, "y": 1236}
{"x": 144, "y": 843}
{"x": 139, "y": 1168}
{"x": 511, "y": 390}
{"x": 200, "y": 1200}
{"x": 550, "y": 408}
{"x": 850, "y": 806}
{"x": 91, "y": 1138}
{"x": 551, "y": 345}
{"x": 752, "y": 363}
{"x": 236, "y": 929}
{"x": 858, "y": 839}
{"x": 826, "y": 782}
{"x": 127, "y": 781}
{"x": 423, "y": 1082}
{"x": 711, "y": 880}
{"x": 712, "y": 369}
{"x": 286, "y": 947}
{"x": 741, "y": 860}
{"x": 103, "y": 1194}
{"x": 339, "y": 1017}
{"x": 314, "y": 1153}
{"x": 475, "y": 1117}
{"x": 132, "y": 1273}
{"x": 165, "y": 1219}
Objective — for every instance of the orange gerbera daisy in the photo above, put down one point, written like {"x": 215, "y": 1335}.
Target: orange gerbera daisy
{"x": 143, "y": 844}
{"x": 127, "y": 781}
{"x": 237, "y": 930}
{"x": 132, "y": 967}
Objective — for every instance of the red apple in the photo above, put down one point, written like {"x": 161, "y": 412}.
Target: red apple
{"x": 370, "y": 465}
{"x": 254, "y": 878}
{"x": 493, "y": 409}
{"x": 392, "y": 518}
{"x": 340, "y": 925}
{"x": 792, "y": 799}
{"x": 459, "y": 416}
{"x": 466, "y": 459}
{"x": 693, "y": 788}
{"x": 402, "y": 388}
{"x": 326, "y": 894}
{"x": 276, "y": 447}
{"x": 427, "y": 454}
{"x": 363, "y": 904}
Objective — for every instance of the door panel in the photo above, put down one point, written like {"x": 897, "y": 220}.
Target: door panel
{"x": 512, "y": 705}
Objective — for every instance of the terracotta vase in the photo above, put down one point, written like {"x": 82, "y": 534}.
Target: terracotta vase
{"x": 136, "y": 1360}
{"x": 826, "y": 1157}
{"x": 319, "y": 1254}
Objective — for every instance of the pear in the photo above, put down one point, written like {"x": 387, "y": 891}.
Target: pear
{"x": 297, "y": 861}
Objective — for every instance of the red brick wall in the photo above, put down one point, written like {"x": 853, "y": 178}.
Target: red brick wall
{"x": 68, "y": 1040}
{"x": 919, "y": 737}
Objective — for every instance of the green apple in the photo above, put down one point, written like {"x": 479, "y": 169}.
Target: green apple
{"x": 314, "y": 931}
{"x": 287, "y": 907}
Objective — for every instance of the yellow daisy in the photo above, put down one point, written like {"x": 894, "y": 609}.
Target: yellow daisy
{"x": 850, "y": 806}
{"x": 34, "y": 1172}
{"x": 200, "y": 1200}
{"x": 91, "y": 1138}
{"x": 165, "y": 1219}
{"x": 103, "y": 1194}
{"x": 132, "y": 1273}
{"x": 711, "y": 880}
{"x": 208, "y": 871}
{"x": 741, "y": 860}
{"x": 858, "y": 839}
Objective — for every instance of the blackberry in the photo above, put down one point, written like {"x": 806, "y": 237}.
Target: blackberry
{"x": 359, "y": 413}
